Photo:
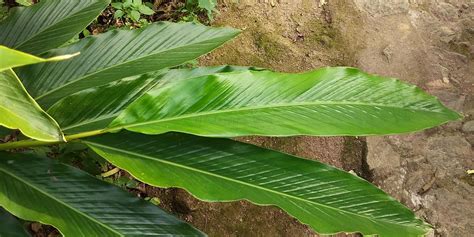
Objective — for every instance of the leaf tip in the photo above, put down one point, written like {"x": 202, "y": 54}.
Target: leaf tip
{"x": 64, "y": 57}
{"x": 451, "y": 115}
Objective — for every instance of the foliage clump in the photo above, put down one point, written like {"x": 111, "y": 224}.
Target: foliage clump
{"x": 122, "y": 97}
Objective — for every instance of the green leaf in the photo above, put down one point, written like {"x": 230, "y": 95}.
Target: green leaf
{"x": 209, "y": 5}
{"x": 13, "y": 58}
{"x": 3, "y": 10}
{"x": 10, "y": 226}
{"x": 19, "y": 111}
{"x": 325, "y": 102}
{"x": 78, "y": 204}
{"x": 25, "y": 3}
{"x": 118, "y": 54}
{"x": 137, "y": 2}
{"x": 135, "y": 15}
{"x": 327, "y": 199}
{"x": 149, "y": 4}
{"x": 118, "y": 14}
{"x": 116, "y": 5}
{"x": 86, "y": 32}
{"x": 127, "y": 4}
{"x": 146, "y": 10}
{"x": 47, "y": 24}
{"x": 95, "y": 108}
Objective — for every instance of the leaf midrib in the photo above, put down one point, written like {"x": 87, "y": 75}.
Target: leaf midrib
{"x": 312, "y": 103}
{"x": 374, "y": 219}
{"x": 122, "y": 63}
{"x": 57, "y": 200}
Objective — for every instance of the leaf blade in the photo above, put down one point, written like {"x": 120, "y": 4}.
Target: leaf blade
{"x": 118, "y": 54}
{"x": 327, "y": 199}
{"x": 77, "y": 203}
{"x": 48, "y": 24}
{"x": 209, "y": 5}
{"x": 95, "y": 108}
{"x": 325, "y": 102}
{"x": 20, "y": 111}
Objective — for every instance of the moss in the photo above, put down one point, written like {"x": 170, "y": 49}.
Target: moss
{"x": 462, "y": 45}
{"x": 333, "y": 40}
{"x": 322, "y": 34}
{"x": 269, "y": 45}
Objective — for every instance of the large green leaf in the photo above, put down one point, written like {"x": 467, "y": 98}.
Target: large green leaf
{"x": 10, "y": 226}
{"x": 118, "y": 54}
{"x": 13, "y": 58}
{"x": 328, "y": 101}
{"x": 95, "y": 108}
{"x": 327, "y": 199}
{"x": 19, "y": 111}
{"x": 48, "y": 24}
{"x": 78, "y": 204}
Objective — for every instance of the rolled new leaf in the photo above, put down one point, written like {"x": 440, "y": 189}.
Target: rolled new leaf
{"x": 325, "y": 102}
{"x": 96, "y": 107}
{"x": 78, "y": 204}
{"x": 19, "y": 111}
{"x": 325, "y": 198}
{"x": 48, "y": 24}
{"x": 118, "y": 54}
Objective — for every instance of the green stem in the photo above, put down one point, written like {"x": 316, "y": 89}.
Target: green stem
{"x": 33, "y": 143}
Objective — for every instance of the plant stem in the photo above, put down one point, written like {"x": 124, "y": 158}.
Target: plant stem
{"x": 87, "y": 134}
{"x": 33, "y": 143}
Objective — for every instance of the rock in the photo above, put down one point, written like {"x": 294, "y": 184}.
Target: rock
{"x": 468, "y": 126}
{"x": 379, "y": 150}
{"x": 426, "y": 170}
{"x": 387, "y": 52}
